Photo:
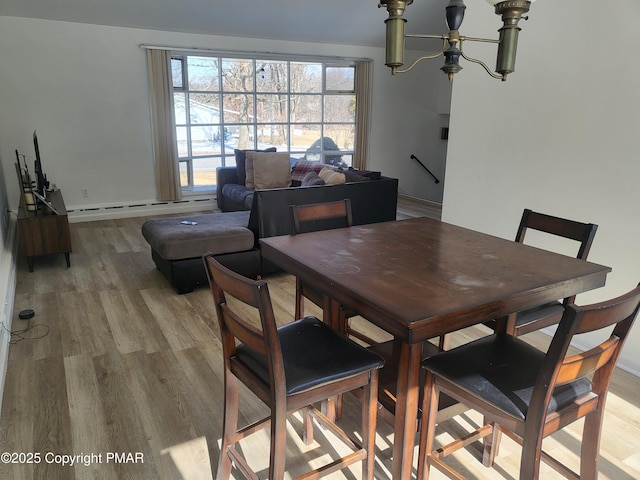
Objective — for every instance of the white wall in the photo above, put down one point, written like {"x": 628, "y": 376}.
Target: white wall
{"x": 560, "y": 136}
{"x": 7, "y": 294}
{"x": 407, "y": 119}
{"x": 4, "y": 206}
{"x": 84, "y": 89}
{"x": 8, "y": 244}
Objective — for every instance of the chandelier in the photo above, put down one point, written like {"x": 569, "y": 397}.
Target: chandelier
{"x": 452, "y": 43}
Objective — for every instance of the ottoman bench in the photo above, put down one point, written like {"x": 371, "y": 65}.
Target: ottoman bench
{"x": 178, "y": 243}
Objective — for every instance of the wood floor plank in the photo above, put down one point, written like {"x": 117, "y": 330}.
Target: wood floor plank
{"x": 113, "y": 238}
{"x": 133, "y": 237}
{"x": 124, "y": 429}
{"x": 84, "y": 275}
{"x": 122, "y": 322}
{"x": 52, "y": 417}
{"x": 44, "y": 327}
{"x": 50, "y": 275}
{"x": 88, "y": 419}
{"x": 205, "y": 387}
{"x": 84, "y": 327}
{"x": 180, "y": 324}
{"x": 89, "y": 240}
{"x": 137, "y": 271}
{"x": 17, "y": 422}
{"x": 131, "y": 322}
{"x": 160, "y": 407}
{"x": 192, "y": 459}
{"x": 105, "y": 271}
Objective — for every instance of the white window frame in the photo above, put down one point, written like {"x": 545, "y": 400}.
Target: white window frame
{"x": 226, "y": 156}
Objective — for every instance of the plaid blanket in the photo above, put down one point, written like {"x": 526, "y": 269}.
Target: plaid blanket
{"x": 302, "y": 167}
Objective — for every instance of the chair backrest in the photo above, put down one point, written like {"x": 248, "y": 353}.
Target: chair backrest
{"x": 321, "y": 216}
{"x": 561, "y": 227}
{"x": 598, "y": 362}
{"x": 234, "y": 328}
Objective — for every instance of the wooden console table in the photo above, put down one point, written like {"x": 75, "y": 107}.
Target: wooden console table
{"x": 44, "y": 232}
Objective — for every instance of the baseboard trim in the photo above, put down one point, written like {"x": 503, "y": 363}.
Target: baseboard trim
{"x": 140, "y": 209}
{"x": 409, "y": 206}
{"x": 7, "y": 294}
{"x": 428, "y": 203}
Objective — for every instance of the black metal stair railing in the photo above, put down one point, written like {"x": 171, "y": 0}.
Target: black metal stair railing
{"x": 413, "y": 157}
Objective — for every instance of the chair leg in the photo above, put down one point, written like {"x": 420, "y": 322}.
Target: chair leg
{"x": 590, "y": 449}
{"x": 369, "y": 416}
{"x": 299, "y": 309}
{"x": 427, "y": 426}
{"x": 530, "y": 459}
{"x": 229, "y": 426}
{"x": 277, "y": 453}
{"x": 491, "y": 445}
{"x": 307, "y": 433}
{"x": 343, "y": 321}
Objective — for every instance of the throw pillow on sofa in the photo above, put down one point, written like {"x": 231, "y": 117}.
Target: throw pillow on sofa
{"x": 241, "y": 155}
{"x": 331, "y": 177}
{"x": 268, "y": 170}
{"x": 311, "y": 179}
{"x": 302, "y": 167}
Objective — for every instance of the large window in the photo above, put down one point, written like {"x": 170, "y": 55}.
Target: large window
{"x": 306, "y": 108}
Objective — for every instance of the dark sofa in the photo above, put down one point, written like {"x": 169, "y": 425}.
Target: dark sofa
{"x": 371, "y": 202}
{"x": 232, "y": 195}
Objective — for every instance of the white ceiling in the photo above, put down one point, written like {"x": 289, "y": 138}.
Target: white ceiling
{"x": 350, "y": 22}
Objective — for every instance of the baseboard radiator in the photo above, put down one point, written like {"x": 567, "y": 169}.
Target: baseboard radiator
{"x": 140, "y": 209}
{"x": 7, "y": 294}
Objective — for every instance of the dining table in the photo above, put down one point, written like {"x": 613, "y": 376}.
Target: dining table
{"x": 420, "y": 278}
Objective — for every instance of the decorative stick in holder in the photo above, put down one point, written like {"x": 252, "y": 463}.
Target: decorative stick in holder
{"x": 26, "y": 185}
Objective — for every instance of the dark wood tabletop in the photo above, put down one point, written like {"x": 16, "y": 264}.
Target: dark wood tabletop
{"x": 420, "y": 278}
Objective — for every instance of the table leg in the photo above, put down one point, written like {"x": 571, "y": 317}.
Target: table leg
{"x": 332, "y": 407}
{"x": 408, "y": 393}
{"x": 331, "y": 311}
{"x": 68, "y": 259}
{"x": 501, "y": 324}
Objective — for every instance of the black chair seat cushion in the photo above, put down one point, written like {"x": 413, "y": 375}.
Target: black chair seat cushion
{"x": 313, "y": 354}
{"x": 502, "y": 370}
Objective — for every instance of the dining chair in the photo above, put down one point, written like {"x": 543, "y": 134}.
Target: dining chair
{"x": 324, "y": 216}
{"x": 291, "y": 367}
{"x": 529, "y": 394}
{"x": 548, "y": 314}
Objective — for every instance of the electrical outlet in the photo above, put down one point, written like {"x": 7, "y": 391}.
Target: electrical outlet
{"x": 85, "y": 192}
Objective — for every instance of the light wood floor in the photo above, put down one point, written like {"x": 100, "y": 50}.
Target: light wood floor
{"x": 115, "y": 362}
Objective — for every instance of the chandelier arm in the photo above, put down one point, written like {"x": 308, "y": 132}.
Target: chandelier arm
{"x": 482, "y": 64}
{"x": 426, "y": 57}
{"x": 478, "y": 39}
{"x": 426, "y": 35}
{"x": 418, "y": 60}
